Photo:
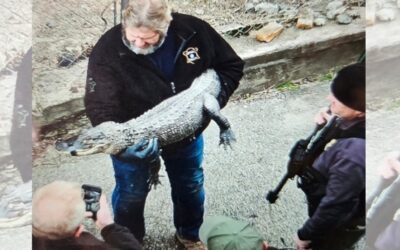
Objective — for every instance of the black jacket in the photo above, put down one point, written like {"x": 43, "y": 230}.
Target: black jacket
{"x": 122, "y": 85}
{"x": 337, "y": 199}
{"x": 116, "y": 238}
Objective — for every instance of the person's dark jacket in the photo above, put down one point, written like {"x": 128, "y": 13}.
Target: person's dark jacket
{"x": 115, "y": 237}
{"x": 122, "y": 85}
{"x": 337, "y": 200}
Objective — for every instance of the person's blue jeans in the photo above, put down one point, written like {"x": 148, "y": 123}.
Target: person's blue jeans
{"x": 185, "y": 172}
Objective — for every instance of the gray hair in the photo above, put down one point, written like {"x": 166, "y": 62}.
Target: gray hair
{"x": 58, "y": 210}
{"x": 152, "y": 14}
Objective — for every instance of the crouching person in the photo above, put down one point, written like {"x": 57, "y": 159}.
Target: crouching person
{"x": 59, "y": 210}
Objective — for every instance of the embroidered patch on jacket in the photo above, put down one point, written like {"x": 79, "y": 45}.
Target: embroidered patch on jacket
{"x": 191, "y": 55}
{"x": 330, "y": 144}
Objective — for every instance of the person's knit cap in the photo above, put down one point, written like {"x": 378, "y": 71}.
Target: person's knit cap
{"x": 224, "y": 233}
{"x": 349, "y": 86}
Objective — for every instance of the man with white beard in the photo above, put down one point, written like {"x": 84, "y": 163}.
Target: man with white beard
{"x": 153, "y": 55}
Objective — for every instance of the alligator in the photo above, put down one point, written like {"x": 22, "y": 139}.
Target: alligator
{"x": 172, "y": 120}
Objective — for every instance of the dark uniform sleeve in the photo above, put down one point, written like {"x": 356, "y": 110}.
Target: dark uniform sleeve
{"x": 227, "y": 64}
{"x": 102, "y": 96}
{"x": 346, "y": 182}
{"x": 120, "y": 237}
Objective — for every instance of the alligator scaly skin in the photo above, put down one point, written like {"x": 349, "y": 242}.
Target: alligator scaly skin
{"x": 177, "y": 117}
{"x": 173, "y": 120}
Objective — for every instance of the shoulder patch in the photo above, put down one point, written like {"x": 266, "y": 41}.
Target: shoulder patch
{"x": 191, "y": 54}
{"x": 330, "y": 144}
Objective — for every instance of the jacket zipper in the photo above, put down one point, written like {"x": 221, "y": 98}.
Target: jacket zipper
{"x": 173, "y": 87}
{"x": 183, "y": 44}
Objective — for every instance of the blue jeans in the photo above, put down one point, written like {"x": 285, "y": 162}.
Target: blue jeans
{"x": 186, "y": 177}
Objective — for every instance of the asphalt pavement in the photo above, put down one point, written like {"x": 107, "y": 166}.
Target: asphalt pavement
{"x": 236, "y": 181}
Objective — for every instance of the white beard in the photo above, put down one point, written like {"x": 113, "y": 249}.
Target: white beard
{"x": 145, "y": 51}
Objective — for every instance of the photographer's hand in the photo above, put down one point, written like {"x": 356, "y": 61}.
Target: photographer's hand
{"x": 145, "y": 151}
{"x": 104, "y": 216}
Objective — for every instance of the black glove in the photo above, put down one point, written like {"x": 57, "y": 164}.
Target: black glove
{"x": 145, "y": 151}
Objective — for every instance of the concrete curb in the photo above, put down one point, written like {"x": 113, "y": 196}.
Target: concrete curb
{"x": 383, "y": 41}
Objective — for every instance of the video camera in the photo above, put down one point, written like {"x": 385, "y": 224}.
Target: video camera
{"x": 91, "y": 196}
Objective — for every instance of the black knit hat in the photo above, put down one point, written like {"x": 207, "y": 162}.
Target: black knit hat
{"x": 349, "y": 86}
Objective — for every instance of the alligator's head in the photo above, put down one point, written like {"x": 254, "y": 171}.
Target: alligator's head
{"x": 100, "y": 139}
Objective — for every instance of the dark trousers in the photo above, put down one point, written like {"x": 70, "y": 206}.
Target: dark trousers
{"x": 341, "y": 239}
{"x": 186, "y": 177}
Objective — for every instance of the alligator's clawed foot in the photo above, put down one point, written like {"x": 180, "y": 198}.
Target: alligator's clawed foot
{"x": 227, "y": 138}
{"x": 154, "y": 177}
{"x": 153, "y": 181}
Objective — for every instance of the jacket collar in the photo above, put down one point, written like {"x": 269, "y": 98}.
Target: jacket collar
{"x": 181, "y": 29}
{"x": 118, "y": 37}
{"x": 347, "y": 124}
{"x": 354, "y": 128}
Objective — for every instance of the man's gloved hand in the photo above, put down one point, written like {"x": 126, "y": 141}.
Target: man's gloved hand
{"x": 145, "y": 151}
